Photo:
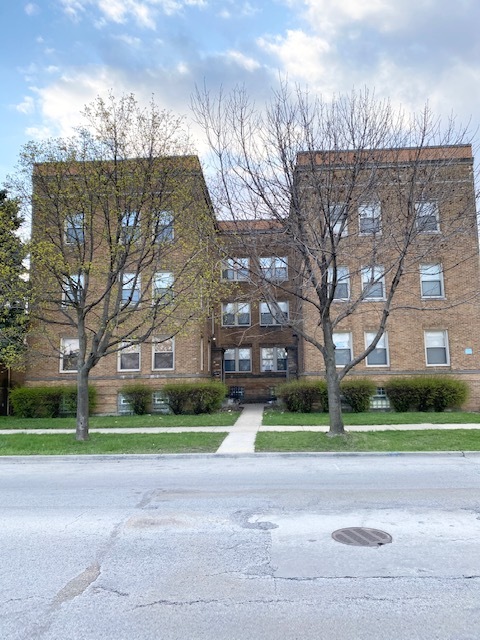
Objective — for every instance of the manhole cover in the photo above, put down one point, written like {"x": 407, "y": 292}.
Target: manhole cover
{"x": 362, "y": 536}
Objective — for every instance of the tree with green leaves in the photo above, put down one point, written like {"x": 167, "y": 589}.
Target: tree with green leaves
{"x": 13, "y": 285}
{"x": 121, "y": 251}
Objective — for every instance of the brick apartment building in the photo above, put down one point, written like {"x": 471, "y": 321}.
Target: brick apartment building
{"x": 254, "y": 337}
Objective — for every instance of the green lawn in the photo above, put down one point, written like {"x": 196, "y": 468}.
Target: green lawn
{"x": 99, "y": 443}
{"x": 424, "y": 440}
{"x": 276, "y": 417}
{"x": 221, "y": 419}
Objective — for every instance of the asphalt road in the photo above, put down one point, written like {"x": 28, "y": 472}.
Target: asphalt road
{"x": 227, "y": 548}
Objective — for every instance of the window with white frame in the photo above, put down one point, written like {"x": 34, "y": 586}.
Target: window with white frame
{"x": 236, "y": 314}
{"x": 163, "y": 353}
{"x": 163, "y": 287}
{"x": 338, "y": 218}
{"x": 238, "y": 360}
{"x": 72, "y": 289}
{"x": 131, "y": 288}
{"x": 427, "y": 216}
{"x": 273, "y": 313}
{"x": 129, "y": 357}
{"x": 235, "y": 269}
{"x": 342, "y": 286}
{"x": 436, "y": 348}
{"x": 130, "y": 229}
{"x": 274, "y": 268}
{"x": 431, "y": 280}
{"x": 369, "y": 218}
{"x": 69, "y": 348}
{"x": 343, "y": 348}
{"x": 163, "y": 226}
{"x": 373, "y": 283}
{"x": 74, "y": 228}
{"x": 273, "y": 359}
{"x": 124, "y": 406}
{"x": 379, "y": 356}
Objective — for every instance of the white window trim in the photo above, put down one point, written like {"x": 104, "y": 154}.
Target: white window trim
{"x": 237, "y": 360}
{"x": 161, "y": 340}
{"x": 418, "y": 205}
{"x": 423, "y": 267}
{"x": 447, "y": 349}
{"x": 375, "y": 208}
{"x": 337, "y": 226}
{"x": 237, "y": 266}
{"x": 168, "y": 294}
{"x": 127, "y": 346}
{"x": 340, "y": 280}
{"x": 236, "y": 313}
{"x": 69, "y": 225}
{"x": 62, "y": 353}
{"x": 275, "y": 322}
{"x": 274, "y": 360}
{"x": 350, "y": 340}
{"x": 366, "y": 282}
{"x": 79, "y": 277}
{"x": 282, "y": 264}
{"x": 136, "y": 285}
{"x": 166, "y": 214}
{"x": 130, "y": 216}
{"x": 387, "y": 350}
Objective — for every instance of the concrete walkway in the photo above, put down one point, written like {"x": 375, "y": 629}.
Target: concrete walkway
{"x": 241, "y": 436}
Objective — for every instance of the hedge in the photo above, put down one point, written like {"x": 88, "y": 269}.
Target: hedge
{"x": 195, "y": 397}
{"x": 300, "y": 396}
{"x": 48, "y": 402}
{"x": 138, "y": 396}
{"x": 426, "y": 393}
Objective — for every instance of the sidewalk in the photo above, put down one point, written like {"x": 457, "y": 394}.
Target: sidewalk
{"x": 241, "y": 437}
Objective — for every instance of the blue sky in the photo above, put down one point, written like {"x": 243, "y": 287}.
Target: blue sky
{"x": 58, "y": 55}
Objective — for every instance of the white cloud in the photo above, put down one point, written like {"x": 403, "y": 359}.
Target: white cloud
{"x": 31, "y": 9}
{"x": 242, "y": 60}
{"x": 27, "y": 106}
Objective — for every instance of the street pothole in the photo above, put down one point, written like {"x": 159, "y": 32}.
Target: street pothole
{"x": 362, "y": 537}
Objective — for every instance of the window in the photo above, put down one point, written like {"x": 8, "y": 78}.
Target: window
{"x": 163, "y": 353}
{"x": 129, "y": 357}
{"x": 338, "y": 218}
{"x": 129, "y": 231}
{"x": 124, "y": 406}
{"x": 238, "y": 360}
{"x": 380, "y": 399}
{"x": 74, "y": 229}
{"x": 72, "y": 289}
{"x": 436, "y": 348}
{"x": 431, "y": 280}
{"x": 343, "y": 348}
{"x": 273, "y": 314}
{"x": 235, "y": 269}
{"x": 342, "y": 288}
{"x": 160, "y": 403}
{"x": 69, "y": 348}
{"x": 163, "y": 287}
{"x": 369, "y": 217}
{"x": 426, "y": 216}
{"x": 379, "y": 356}
{"x": 163, "y": 230}
{"x": 373, "y": 283}
{"x": 273, "y": 268}
{"x": 273, "y": 359}
{"x": 236, "y": 314}
{"x": 130, "y": 288}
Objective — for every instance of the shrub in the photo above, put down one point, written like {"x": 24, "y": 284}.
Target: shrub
{"x": 299, "y": 396}
{"x": 47, "y": 402}
{"x": 357, "y": 392}
{"x": 196, "y": 397}
{"x": 138, "y": 396}
{"x": 426, "y": 393}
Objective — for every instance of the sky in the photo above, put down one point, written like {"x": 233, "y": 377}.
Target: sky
{"x": 58, "y": 55}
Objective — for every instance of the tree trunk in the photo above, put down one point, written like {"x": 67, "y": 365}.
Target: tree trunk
{"x": 82, "y": 404}
{"x": 333, "y": 385}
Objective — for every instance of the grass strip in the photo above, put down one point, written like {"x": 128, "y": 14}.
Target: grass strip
{"x": 285, "y": 418}
{"x": 422, "y": 440}
{"x": 220, "y": 419}
{"x": 100, "y": 443}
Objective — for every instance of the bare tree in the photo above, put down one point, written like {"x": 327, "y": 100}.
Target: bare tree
{"x": 121, "y": 250}
{"x": 354, "y": 188}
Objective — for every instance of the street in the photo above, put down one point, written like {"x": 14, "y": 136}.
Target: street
{"x": 226, "y": 547}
